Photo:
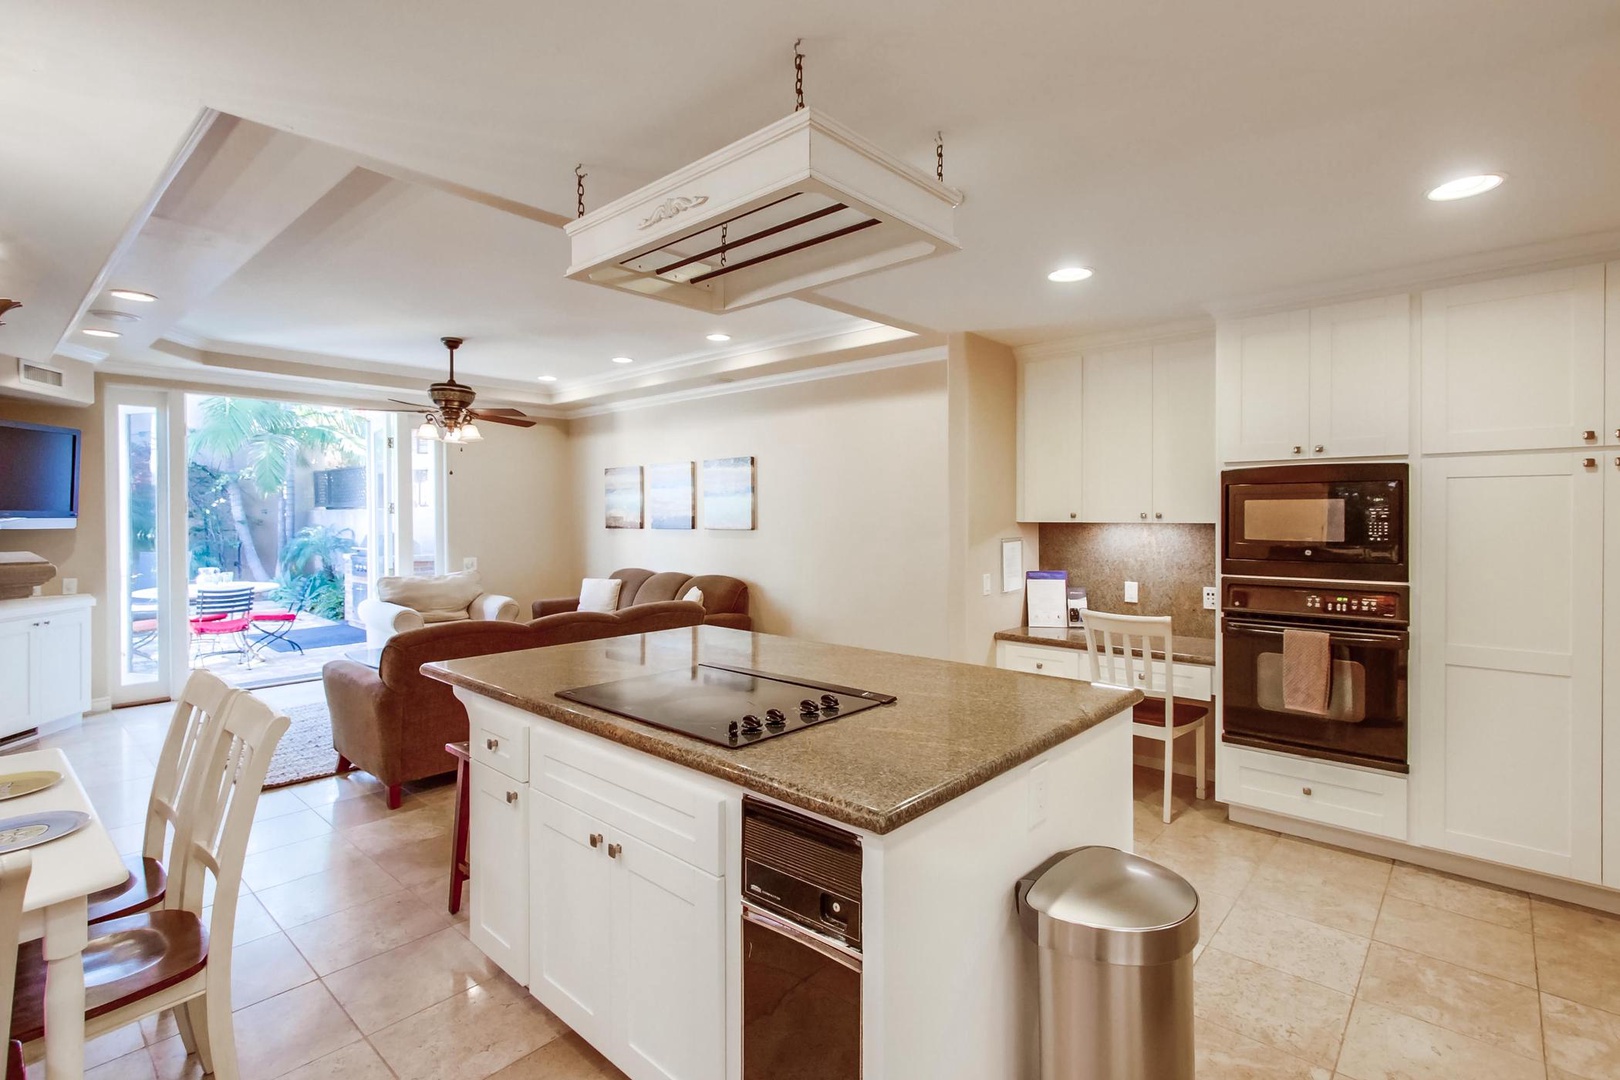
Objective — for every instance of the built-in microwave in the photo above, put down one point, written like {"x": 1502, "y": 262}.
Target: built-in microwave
{"x": 1345, "y": 521}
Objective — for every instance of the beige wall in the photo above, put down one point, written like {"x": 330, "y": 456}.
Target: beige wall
{"x": 81, "y": 552}
{"x": 510, "y": 504}
{"x": 983, "y": 377}
{"x": 853, "y": 531}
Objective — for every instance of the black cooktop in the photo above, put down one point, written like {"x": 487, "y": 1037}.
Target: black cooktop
{"x": 727, "y": 706}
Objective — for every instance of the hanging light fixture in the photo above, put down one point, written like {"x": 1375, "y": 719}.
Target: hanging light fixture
{"x": 469, "y": 432}
{"x": 428, "y": 430}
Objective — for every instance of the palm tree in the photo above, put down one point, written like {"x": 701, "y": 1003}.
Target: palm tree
{"x": 258, "y": 444}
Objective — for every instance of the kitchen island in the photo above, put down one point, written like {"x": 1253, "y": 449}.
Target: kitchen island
{"x": 607, "y": 853}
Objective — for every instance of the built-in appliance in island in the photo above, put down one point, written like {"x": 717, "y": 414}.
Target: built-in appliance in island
{"x": 617, "y": 874}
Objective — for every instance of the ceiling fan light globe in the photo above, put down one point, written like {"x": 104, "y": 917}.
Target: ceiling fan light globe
{"x": 427, "y": 431}
{"x": 469, "y": 432}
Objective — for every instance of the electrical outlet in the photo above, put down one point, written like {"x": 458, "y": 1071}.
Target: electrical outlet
{"x": 987, "y": 584}
{"x": 1131, "y": 592}
{"x": 70, "y": 585}
{"x": 470, "y": 562}
{"x": 1210, "y": 599}
{"x": 1037, "y": 795}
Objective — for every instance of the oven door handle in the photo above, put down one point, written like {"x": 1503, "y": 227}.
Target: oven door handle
{"x": 1375, "y": 638}
{"x": 833, "y": 951}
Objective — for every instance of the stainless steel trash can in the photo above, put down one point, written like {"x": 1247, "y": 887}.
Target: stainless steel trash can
{"x": 1116, "y": 935}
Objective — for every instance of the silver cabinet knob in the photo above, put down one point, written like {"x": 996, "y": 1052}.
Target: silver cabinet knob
{"x": 596, "y": 839}
{"x": 1318, "y": 448}
{"x": 1144, "y": 515}
{"x": 1158, "y": 515}
{"x": 613, "y": 851}
{"x": 492, "y": 744}
{"x": 1299, "y": 449}
{"x": 1305, "y": 791}
{"x": 1589, "y": 435}
{"x": 1073, "y": 515}
{"x": 1039, "y": 666}
{"x": 511, "y": 797}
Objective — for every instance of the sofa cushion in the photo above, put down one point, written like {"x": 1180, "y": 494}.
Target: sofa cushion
{"x": 600, "y": 594}
{"x": 431, "y": 617}
{"x": 693, "y": 595}
{"x": 448, "y": 592}
{"x": 667, "y": 585}
{"x": 722, "y": 594}
{"x": 633, "y": 577}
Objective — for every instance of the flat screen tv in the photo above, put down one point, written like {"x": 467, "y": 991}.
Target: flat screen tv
{"x": 39, "y": 476}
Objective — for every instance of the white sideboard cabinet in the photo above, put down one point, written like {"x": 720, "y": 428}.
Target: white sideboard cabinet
{"x": 44, "y": 661}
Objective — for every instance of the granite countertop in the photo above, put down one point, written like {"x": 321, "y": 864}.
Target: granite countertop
{"x": 1189, "y": 650}
{"x": 954, "y": 727}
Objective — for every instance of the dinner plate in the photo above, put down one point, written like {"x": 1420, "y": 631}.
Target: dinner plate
{"x": 31, "y": 830}
{"x": 14, "y": 785}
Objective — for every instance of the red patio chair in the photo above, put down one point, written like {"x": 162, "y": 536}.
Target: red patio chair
{"x": 223, "y": 613}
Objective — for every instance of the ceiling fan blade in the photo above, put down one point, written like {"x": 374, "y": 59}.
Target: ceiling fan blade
{"x": 413, "y": 406}
{"x": 502, "y": 412}
{"x": 518, "y": 421}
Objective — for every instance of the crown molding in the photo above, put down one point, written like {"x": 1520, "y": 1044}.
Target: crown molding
{"x": 1156, "y": 334}
{"x": 928, "y": 355}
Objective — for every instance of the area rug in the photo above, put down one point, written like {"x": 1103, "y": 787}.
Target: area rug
{"x": 320, "y": 637}
{"x": 305, "y": 752}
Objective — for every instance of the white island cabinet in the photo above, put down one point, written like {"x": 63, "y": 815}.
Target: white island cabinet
{"x": 622, "y": 848}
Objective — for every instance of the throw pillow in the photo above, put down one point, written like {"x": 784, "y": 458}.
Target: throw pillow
{"x": 599, "y": 594}
{"x": 450, "y": 592}
{"x": 694, "y": 594}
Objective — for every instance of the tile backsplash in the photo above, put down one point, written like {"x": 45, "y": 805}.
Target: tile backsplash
{"x": 1171, "y": 563}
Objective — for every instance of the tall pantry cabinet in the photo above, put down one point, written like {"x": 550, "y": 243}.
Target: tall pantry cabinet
{"x": 1518, "y": 735}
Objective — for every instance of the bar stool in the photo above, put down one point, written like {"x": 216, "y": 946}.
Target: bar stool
{"x": 458, "y": 847}
{"x": 1161, "y": 716}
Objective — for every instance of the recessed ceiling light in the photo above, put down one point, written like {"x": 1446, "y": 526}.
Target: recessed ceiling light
{"x": 1069, "y": 273}
{"x": 719, "y": 337}
{"x": 132, "y": 294}
{"x": 114, "y": 316}
{"x": 96, "y": 331}
{"x": 548, "y": 378}
{"x": 1465, "y": 187}
{"x": 623, "y": 360}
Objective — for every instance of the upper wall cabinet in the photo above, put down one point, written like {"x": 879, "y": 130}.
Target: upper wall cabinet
{"x": 1119, "y": 434}
{"x": 1321, "y": 383}
{"x": 1515, "y": 364}
{"x": 1049, "y": 445}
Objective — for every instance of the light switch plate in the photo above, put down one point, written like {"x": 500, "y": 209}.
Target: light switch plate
{"x": 70, "y": 586}
{"x": 987, "y": 584}
{"x": 1037, "y": 795}
{"x": 1209, "y": 598}
{"x": 1131, "y": 592}
{"x": 470, "y": 562}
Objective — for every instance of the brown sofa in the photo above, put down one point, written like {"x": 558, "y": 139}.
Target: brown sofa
{"x": 394, "y": 722}
{"x": 725, "y": 599}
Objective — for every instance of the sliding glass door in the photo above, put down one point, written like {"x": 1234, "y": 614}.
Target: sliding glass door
{"x": 141, "y": 617}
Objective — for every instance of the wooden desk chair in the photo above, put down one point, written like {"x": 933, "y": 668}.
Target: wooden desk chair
{"x": 167, "y": 958}
{"x": 1120, "y": 650}
{"x": 14, "y": 871}
{"x": 197, "y": 715}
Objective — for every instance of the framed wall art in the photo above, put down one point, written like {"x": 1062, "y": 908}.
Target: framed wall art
{"x": 728, "y": 493}
{"x": 622, "y": 497}
{"x": 671, "y": 496}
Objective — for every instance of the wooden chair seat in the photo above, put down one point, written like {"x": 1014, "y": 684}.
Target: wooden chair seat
{"x": 132, "y": 958}
{"x": 143, "y": 888}
{"x": 1151, "y": 711}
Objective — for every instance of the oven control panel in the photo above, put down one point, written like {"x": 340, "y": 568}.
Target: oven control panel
{"x": 1387, "y": 604}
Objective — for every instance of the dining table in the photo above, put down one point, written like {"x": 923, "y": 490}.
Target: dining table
{"x": 260, "y": 588}
{"x": 66, "y": 872}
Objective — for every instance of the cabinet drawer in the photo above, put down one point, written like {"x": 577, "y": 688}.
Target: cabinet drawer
{"x": 1040, "y": 660}
{"x": 662, "y": 805}
{"x": 498, "y": 736}
{"x": 1361, "y": 799}
{"x": 1193, "y": 681}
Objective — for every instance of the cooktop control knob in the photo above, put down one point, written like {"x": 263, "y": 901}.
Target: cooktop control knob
{"x": 775, "y": 716}
{"x": 828, "y": 701}
{"x": 731, "y": 730}
{"x": 751, "y": 725}
{"x": 808, "y": 708}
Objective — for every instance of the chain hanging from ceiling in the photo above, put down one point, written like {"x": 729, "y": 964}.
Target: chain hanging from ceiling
{"x": 579, "y": 189}
{"x": 939, "y": 156}
{"x": 798, "y": 75}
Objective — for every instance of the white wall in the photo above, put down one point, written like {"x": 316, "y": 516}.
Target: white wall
{"x": 853, "y": 531}
{"x": 510, "y": 503}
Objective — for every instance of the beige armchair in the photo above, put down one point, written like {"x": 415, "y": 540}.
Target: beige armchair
{"x": 410, "y": 603}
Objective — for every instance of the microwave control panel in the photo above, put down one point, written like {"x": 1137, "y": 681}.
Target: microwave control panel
{"x": 1372, "y": 605}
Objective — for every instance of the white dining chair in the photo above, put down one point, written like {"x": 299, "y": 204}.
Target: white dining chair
{"x": 1120, "y": 650}
{"x": 201, "y": 705}
{"x": 15, "y": 869}
{"x": 166, "y": 958}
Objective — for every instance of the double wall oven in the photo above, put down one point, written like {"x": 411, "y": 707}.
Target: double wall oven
{"x": 1321, "y": 549}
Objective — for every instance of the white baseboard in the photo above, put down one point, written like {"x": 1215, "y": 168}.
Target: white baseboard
{"x": 1509, "y": 877}
{"x": 100, "y": 704}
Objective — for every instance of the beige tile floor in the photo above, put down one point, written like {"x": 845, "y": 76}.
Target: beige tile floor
{"x": 1314, "y": 963}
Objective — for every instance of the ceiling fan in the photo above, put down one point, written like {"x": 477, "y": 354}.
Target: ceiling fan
{"x": 452, "y": 416}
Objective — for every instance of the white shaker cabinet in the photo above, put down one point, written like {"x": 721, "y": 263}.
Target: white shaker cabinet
{"x": 1327, "y": 382}
{"x": 1515, "y": 364}
{"x": 1116, "y": 430}
{"x": 1510, "y": 736}
{"x": 1611, "y": 667}
{"x": 1049, "y": 443}
{"x": 498, "y": 858}
{"x": 573, "y": 919}
{"x": 1186, "y": 466}
{"x": 44, "y": 660}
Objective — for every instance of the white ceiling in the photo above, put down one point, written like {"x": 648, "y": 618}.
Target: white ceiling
{"x": 1195, "y": 154}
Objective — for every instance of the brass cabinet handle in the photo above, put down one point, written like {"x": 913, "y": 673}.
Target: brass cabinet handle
{"x": 596, "y": 839}
{"x": 511, "y": 797}
{"x": 1306, "y": 791}
{"x": 492, "y": 744}
{"x": 1589, "y": 462}
{"x": 613, "y": 851}
{"x": 1588, "y": 435}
